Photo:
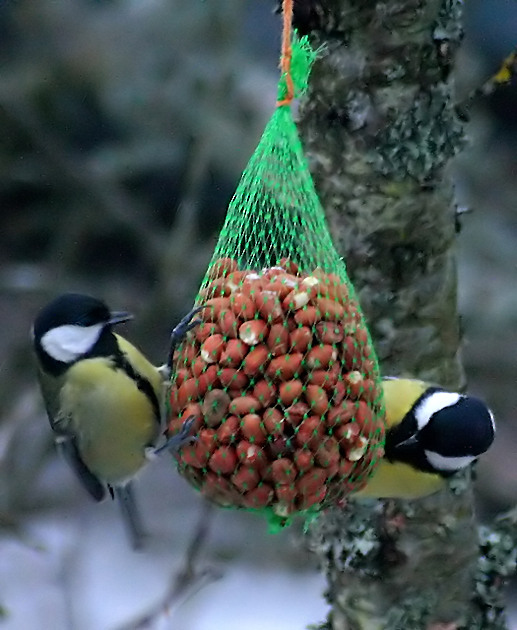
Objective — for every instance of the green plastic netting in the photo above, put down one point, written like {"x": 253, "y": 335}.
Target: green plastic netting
{"x": 281, "y": 376}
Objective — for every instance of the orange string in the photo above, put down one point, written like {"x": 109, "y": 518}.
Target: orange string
{"x": 285, "y": 60}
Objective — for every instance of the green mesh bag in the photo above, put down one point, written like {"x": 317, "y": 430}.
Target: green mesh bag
{"x": 281, "y": 376}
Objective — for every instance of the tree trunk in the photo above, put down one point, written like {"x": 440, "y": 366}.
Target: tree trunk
{"x": 380, "y": 128}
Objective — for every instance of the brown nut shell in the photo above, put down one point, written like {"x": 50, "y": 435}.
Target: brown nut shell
{"x": 304, "y": 459}
{"x": 265, "y": 392}
{"x": 278, "y": 339}
{"x": 310, "y": 432}
{"x": 252, "y": 428}
{"x": 243, "y": 405}
{"x": 253, "y": 331}
{"x": 285, "y": 367}
{"x": 256, "y": 360}
{"x": 187, "y": 392}
{"x": 233, "y": 354}
{"x": 233, "y": 378}
{"x": 307, "y": 316}
{"x": 229, "y": 324}
{"x": 329, "y": 332}
{"x": 269, "y": 306}
{"x": 290, "y": 391}
{"x": 311, "y": 481}
{"x": 213, "y": 308}
{"x": 296, "y": 412}
{"x": 246, "y": 478}
{"x": 273, "y": 421}
{"x": 321, "y": 357}
{"x": 329, "y": 309}
{"x": 259, "y": 497}
{"x": 300, "y": 339}
{"x": 198, "y": 453}
{"x": 283, "y": 471}
{"x": 250, "y": 454}
{"x": 215, "y": 407}
{"x": 242, "y": 305}
{"x": 222, "y": 267}
{"x": 317, "y": 399}
{"x": 227, "y": 432}
{"x": 223, "y": 460}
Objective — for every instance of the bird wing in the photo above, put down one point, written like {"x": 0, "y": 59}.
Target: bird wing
{"x": 65, "y": 438}
{"x": 147, "y": 377}
{"x": 50, "y": 389}
{"x": 67, "y": 446}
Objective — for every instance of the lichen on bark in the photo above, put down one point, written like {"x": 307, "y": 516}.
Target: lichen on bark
{"x": 379, "y": 126}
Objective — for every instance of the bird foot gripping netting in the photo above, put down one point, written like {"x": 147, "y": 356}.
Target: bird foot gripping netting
{"x": 280, "y": 376}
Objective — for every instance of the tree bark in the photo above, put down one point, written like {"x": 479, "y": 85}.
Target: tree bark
{"x": 380, "y": 129}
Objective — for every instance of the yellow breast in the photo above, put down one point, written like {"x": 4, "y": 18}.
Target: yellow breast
{"x": 392, "y": 481}
{"x": 113, "y": 420}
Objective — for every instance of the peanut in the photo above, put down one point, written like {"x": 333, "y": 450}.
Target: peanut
{"x": 246, "y": 478}
{"x": 300, "y": 339}
{"x": 227, "y": 432}
{"x": 244, "y": 404}
{"x": 254, "y": 331}
{"x": 286, "y": 366}
{"x": 215, "y": 407}
{"x": 289, "y": 391}
{"x": 252, "y": 428}
{"x": 233, "y": 354}
{"x": 265, "y": 392}
{"x": 212, "y": 348}
{"x": 223, "y": 460}
{"x": 278, "y": 339}
{"x": 256, "y": 360}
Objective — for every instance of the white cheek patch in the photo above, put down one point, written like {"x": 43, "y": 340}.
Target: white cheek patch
{"x": 67, "y": 343}
{"x": 433, "y": 403}
{"x": 449, "y": 464}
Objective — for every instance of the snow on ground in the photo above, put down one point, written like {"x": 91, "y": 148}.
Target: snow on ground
{"x": 72, "y": 568}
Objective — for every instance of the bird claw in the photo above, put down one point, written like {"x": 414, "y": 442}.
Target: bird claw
{"x": 180, "y": 330}
{"x": 182, "y": 438}
{"x": 165, "y": 372}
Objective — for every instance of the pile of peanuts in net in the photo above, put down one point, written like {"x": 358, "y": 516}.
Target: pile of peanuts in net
{"x": 283, "y": 385}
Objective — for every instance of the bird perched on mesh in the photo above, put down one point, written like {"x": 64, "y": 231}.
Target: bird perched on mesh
{"x": 431, "y": 434}
{"x": 104, "y": 399}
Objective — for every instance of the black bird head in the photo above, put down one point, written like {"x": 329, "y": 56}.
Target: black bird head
{"x": 72, "y": 327}
{"x": 447, "y": 432}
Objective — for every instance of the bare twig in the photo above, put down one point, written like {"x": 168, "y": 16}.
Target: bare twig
{"x": 188, "y": 580}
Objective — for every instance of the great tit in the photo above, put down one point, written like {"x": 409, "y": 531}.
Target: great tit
{"x": 104, "y": 399}
{"x": 431, "y": 434}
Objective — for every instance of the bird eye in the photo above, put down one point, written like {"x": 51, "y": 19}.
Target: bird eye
{"x": 93, "y": 317}
{"x": 85, "y": 320}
